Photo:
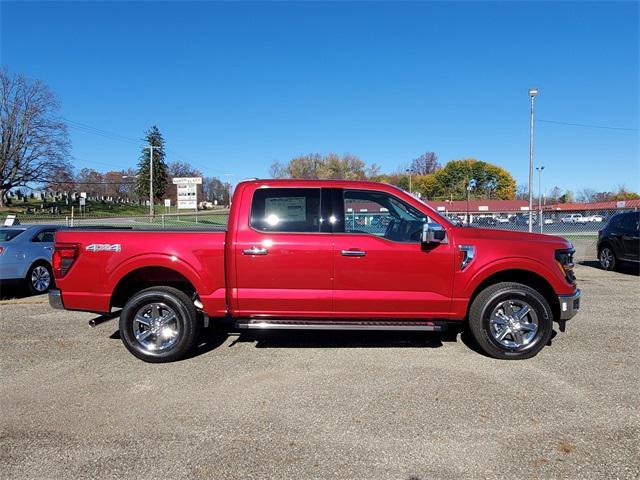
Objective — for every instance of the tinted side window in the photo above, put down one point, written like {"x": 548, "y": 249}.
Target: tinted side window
{"x": 383, "y": 215}
{"x": 630, "y": 222}
{"x": 286, "y": 210}
{"x": 46, "y": 236}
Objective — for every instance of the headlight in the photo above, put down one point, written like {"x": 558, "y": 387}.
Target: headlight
{"x": 564, "y": 259}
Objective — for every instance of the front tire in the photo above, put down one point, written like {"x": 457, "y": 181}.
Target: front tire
{"x": 607, "y": 258}
{"x": 510, "y": 321}
{"x": 39, "y": 278}
{"x": 159, "y": 324}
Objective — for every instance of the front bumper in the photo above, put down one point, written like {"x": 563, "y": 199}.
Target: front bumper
{"x": 55, "y": 299}
{"x": 569, "y": 305}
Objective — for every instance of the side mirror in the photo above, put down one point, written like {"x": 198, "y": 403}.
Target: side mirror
{"x": 433, "y": 233}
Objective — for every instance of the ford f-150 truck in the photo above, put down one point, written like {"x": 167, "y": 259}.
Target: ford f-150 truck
{"x": 313, "y": 254}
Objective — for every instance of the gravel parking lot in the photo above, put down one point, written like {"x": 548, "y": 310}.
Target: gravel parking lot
{"x": 74, "y": 403}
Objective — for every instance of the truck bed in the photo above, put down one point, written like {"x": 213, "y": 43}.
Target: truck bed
{"x": 109, "y": 260}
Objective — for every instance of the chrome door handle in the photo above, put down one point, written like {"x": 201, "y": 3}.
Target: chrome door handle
{"x": 48, "y": 248}
{"x": 255, "y": 251}
{"x": 353, "y": 253}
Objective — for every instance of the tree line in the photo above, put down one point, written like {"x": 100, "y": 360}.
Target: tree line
{"x": 35, "y": 151}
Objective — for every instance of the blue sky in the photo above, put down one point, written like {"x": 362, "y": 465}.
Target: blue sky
{"x": 235, "y": 86}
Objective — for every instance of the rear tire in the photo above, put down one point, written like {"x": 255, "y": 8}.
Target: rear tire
{"x": 39, "y": 278}
{"x": 159, "y": 324}
{"x": 510, "y": 321}
{"x": 607, "y": 258}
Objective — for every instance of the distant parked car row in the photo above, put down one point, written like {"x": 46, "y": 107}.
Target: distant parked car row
{"x": 579, "y": 218}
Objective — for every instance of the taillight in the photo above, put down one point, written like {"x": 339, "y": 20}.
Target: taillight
{"x": 64, "y": 254}
{"x": 1, "y": 250}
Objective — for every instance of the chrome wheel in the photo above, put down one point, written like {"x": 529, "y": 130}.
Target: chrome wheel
{"x": 156, "y": 327}
{"x": 40, "y": 279}
{"x": 513, "y": 323}
{"x": 606, "y": 258}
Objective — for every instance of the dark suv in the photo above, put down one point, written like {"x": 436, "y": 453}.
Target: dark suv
{"x": 619, "y": 240}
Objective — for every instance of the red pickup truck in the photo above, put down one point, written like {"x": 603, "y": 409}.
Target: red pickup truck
{"x": 313, "y": 254}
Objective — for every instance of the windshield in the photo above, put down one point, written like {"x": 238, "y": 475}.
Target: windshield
{"x": 7, "y": 234}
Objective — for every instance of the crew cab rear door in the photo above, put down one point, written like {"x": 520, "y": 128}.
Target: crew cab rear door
{"x": 381, "y": 270}
{"x": 283, "y": 259}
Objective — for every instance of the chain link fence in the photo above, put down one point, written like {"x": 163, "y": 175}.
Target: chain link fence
{"x": 211, "y": 220}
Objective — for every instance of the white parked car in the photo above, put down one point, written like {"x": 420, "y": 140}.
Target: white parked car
{"x": 595, "y": 218}
{"x": 574, "y": 218}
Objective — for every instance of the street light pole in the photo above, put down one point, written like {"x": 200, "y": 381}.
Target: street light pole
{"x": 409, "y": 172}
{"x": 532, "y": 93}
{"x": 540, "y": 169}
{"x": 468, "y": 192}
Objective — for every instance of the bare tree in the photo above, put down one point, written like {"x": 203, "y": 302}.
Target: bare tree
{"x": 522, "y": 191}
{"x": 425, "y": 164}
{"x": 180, "y": 169}
{"x": 278, "y": 170}
{"x": 34, "y": 142}
{"x": 61, "y": 180}
{"x": 586, "y": 195}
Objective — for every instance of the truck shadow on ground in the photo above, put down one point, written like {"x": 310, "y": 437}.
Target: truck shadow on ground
{"x": 624, "y": 268}
{"x": 213, "y": 338}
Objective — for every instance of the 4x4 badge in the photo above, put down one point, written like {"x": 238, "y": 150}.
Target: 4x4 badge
{"x": 103, "y": 247}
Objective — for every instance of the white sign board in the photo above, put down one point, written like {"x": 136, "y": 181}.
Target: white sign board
{"x": 83, "y": 201}
{"x": 83, "y": 194}
{"x": 621, "y": 204}
{"x": 167, "y": 202}
{"x": 11, "y": 220}
{"x": 187, "y": 196}
{"x": 187, "y": 181}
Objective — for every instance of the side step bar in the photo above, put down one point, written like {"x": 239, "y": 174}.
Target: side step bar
{"x": 272, "y": 324}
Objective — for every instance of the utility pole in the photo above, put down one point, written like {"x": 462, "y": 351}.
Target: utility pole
{"x": 151, "y": 180}
{"x": 540, "y": 169}
{"x": 229, "y": 175}
{"x": 532, "y": 94}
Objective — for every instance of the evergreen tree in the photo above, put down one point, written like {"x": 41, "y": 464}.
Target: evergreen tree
{"x": 153, "y": 137}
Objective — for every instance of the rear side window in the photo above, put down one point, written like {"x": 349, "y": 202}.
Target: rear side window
{"x": 630, "y": 221}
{"x": 286, "y": 210}
{"x": 7, "y": 234}
{"x": 616, "y": 220}
{"x": 45, "y": 236}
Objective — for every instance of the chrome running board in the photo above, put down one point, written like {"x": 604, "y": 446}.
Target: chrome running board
{"x": 271, "y": 324}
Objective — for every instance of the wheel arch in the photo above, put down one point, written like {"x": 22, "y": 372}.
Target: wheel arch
{"x": 141, "y": 278}
{"x": 525, "y": 277}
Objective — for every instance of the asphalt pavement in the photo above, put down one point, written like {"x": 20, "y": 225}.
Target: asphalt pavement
{"x": 76, "y": 404}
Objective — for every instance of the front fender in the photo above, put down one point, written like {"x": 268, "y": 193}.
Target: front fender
{"x": 552, "y": 275}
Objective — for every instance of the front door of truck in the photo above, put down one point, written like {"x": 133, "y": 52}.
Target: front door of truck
{"x": 381, "y": 270}
{"x": 283, "y": 258}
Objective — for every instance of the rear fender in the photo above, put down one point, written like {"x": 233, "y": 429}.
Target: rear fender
{"x": 170, "y": 262}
